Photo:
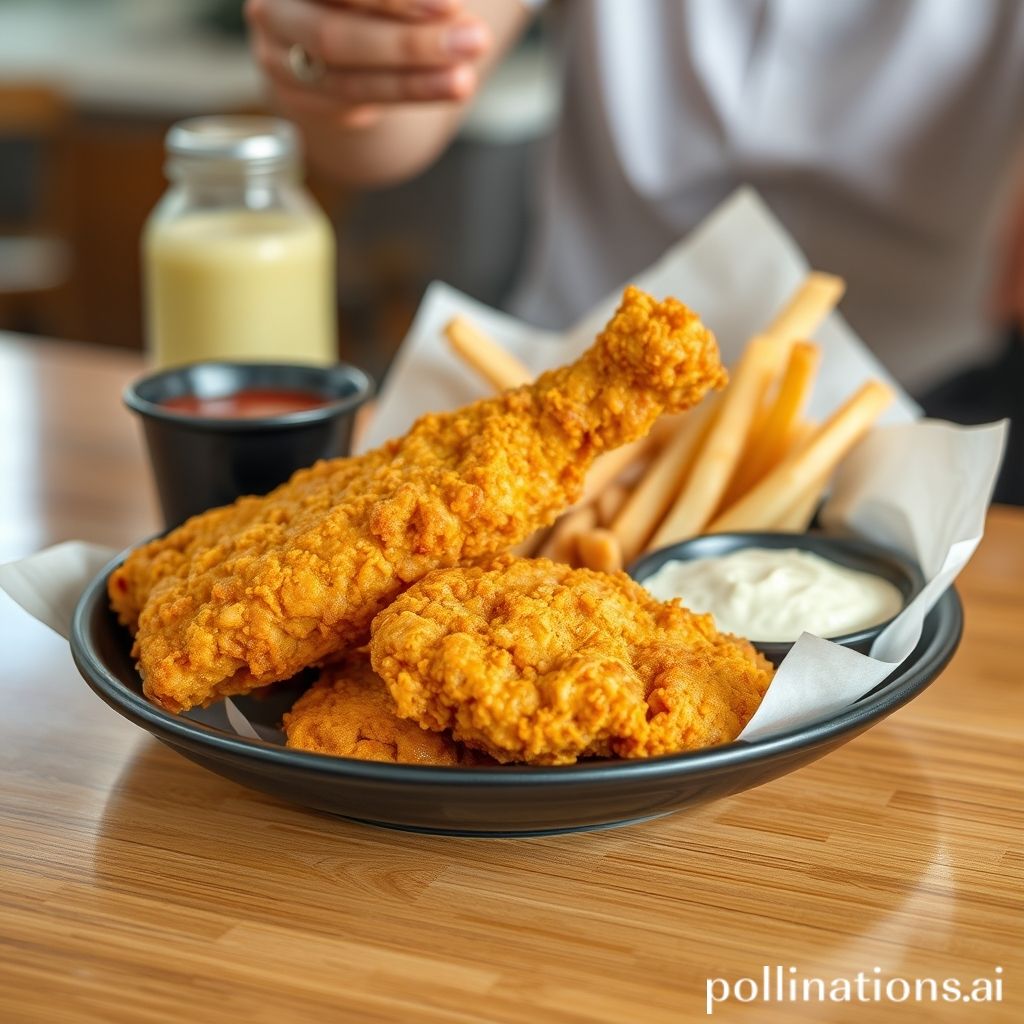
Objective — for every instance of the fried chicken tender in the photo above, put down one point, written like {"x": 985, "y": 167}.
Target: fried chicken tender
{"x": 348, "y": 712}
{"x": 250, "y": 594}
{"x": 530, "y": 660}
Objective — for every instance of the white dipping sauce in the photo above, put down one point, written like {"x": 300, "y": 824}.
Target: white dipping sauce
{"x": 776, "y": 594}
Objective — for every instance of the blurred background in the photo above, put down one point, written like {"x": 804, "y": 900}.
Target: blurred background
{"x": 88, "y": 89}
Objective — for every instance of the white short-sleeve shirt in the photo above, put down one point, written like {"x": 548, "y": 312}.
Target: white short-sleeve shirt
{"x": 883, "y": 133}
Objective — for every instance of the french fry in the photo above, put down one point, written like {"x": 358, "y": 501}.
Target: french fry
{"x": 611, "y": 465}
{"x": 803, "y": 313}
{"x": 801, "y": 316}
{"x": 528, "y": 548}
{"x": 798, "y": 516}
{"x": 644, "y": 509}
{"x": 608, "y": 503}
{"x": 807, "y": 308}
{"x": 772, "y": 438}
{"x": 666, "y": 427}
{"x": 771, "y": 498}
{"x": 599, "y": 549}
{"x": 499, "y": 368}
{"x": 561, "y": 543}
{"x": 802, "y": 433}
{"x": 720, "y": 454}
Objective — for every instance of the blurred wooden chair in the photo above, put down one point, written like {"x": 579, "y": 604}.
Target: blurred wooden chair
{"x": 35, "y": 249}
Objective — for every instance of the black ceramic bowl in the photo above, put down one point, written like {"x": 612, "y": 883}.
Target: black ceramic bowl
{"x": 852, "y": 552}
{"x": 200, "y": 462}
{"x": 483, "y": 801}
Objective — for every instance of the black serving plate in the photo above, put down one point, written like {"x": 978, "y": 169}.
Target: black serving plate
{"x": 500, "y": 801}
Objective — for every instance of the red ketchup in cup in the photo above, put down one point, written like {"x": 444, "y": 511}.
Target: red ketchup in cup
{"x": 252, "y": 403}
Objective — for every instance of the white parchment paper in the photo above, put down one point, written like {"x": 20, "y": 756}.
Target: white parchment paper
{"x": 48, "y": 584}
{"x": 922, "y": 487}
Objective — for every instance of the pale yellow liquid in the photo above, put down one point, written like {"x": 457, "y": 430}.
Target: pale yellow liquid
{"x": 241, "y": 285}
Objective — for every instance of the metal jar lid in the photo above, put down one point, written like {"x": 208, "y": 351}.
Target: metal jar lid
{"x": 241, "y": 138}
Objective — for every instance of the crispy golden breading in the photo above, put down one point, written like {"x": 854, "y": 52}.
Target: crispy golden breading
{"x": 348, "y": 712}
{"x": 243, "y": 596}
{"x": 530, "y": 660}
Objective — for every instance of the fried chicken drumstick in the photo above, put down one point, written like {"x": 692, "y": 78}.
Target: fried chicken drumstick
{"x": 246, "y": 595}
{"x": 530, "y": 660}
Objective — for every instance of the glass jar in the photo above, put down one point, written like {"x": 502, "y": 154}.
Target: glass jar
{"x": 239, "y": 261}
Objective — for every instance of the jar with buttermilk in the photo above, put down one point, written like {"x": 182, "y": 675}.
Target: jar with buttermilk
{"x": 239, "y": 261}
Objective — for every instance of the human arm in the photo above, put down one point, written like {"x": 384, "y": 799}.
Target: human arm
{"x": 397, "y": 76}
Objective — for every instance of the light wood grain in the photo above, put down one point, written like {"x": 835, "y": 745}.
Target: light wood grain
{"x": 136, "y": 887}
{"x": 72, "y": 461}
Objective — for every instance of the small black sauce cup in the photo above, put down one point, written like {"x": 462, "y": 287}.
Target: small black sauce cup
{"x": 200, "y": 462}
{"x": 851, "y": 552}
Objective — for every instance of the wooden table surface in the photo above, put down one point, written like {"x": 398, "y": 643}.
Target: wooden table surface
{"x": 135, "y": 886}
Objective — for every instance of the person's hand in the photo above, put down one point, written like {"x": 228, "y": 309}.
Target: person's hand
{"x": 1009, "y": 291}
{"x": 350, "y": 59}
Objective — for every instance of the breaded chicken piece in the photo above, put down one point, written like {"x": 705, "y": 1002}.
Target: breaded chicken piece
{"x": 248, "y": 595}
{"x": 348, "y": 712}
{"x": 530, "y": 660}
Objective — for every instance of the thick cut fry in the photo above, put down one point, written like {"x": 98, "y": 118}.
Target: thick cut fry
{"x": 773, "y": 437}
{"x": 609, "y": 467}
{"x": 668, "y": 426}
{"x": 599, "y": 549}
{"x": 766, "y": 502}
{"x": 561, "y": 543}
{"x": 720, "y": 454}
{"x": 810, "y": 304}
{"x": 609, "y": 502}
{"x": 802, "y": 433}
{"x": 802, "y": 315}
{"x": 499, "y": 368}
{"x": 528, "y": 548}
{"x": 798, "y": 516}
{"x": 645, "y": 508}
